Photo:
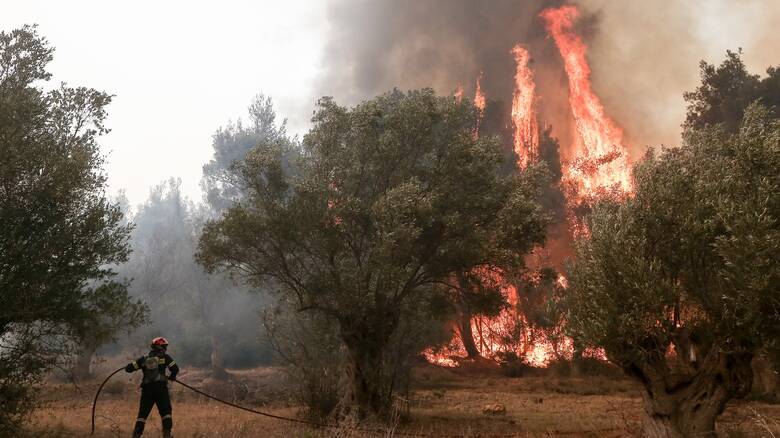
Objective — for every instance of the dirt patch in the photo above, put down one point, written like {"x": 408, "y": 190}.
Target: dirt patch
{"x": 442, "y": 401}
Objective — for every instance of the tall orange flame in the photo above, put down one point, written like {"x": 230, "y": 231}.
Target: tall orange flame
{"x": 479, "y": 96}
{"x": 600, "y": 159}
{"x": 597, "y": 163}
{"x": 526, "y": 130}
{"x": 479, "y": 103}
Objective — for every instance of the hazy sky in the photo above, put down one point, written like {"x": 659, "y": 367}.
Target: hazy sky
{"x": 179, "y": 70}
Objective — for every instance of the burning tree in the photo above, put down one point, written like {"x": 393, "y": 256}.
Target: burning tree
{"x": 386, "y": 202}
{"x": 679, "y": 284}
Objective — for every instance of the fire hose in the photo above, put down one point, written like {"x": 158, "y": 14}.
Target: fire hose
{"x": 244, "y": 408}
{"x": 97, "y": 394}
{"x": 278, "y": 417}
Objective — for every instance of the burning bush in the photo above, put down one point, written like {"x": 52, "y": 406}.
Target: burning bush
{"x": 679, "y": 284}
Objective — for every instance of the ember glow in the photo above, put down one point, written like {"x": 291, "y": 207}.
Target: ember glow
{"x": 595, "y": 164}
{"x": 479, "y": 103}
{"x": 459, "y": 93}
{"x": 479, "y": 96}
{"x": 526, "y": 129}
{"x": 507, "y": 334}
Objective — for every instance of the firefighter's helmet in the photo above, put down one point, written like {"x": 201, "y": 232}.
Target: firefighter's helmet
{"x": 159, "y": 343}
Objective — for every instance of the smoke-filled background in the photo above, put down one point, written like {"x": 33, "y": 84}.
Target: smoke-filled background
{"x": 202, "y": 68}
{"x": 643, "y": 55}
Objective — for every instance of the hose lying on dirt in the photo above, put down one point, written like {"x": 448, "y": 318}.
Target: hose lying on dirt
{"x": 331, "y": 426}
{"x": 278, "y": 417}
{"x": 97, "y": 394}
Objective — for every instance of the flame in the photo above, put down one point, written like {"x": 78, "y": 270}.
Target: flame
{"x": 458, "y": 93}
{"x": 479, "y": 96}
{"x": 599, "y": 161}
{"x": 438, "y": 359}
{"x": 597, "y": 164}
{"x": 508, "y": 332}
{"x": 479, "y": 103}
{"x": 562, "y": 281}
{"x": 526, "y": 130}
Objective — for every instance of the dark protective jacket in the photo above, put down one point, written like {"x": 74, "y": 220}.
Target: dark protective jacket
{"x": 153, "y": 367}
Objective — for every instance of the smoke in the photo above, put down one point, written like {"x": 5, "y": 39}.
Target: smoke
{"x": 643, "y": 55}
{"x": 378, "y": 45}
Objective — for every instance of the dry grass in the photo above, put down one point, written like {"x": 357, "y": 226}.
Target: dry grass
{"x": 441, "y": 402}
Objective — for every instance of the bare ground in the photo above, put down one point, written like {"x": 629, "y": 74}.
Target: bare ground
{"x": 441, "y": 402}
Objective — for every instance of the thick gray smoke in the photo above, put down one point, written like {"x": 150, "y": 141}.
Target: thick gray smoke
{"x": 378, "y": 45}
{"x": 643, "y": 54}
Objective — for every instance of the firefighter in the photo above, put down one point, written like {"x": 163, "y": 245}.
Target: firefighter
{"x": 154, "y": 387}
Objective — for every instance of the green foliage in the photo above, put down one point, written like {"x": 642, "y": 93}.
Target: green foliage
{"x": 381, "y": 204}
{"x": 108, "y": 310}
{"x": 309, "y": 345}
{"x": 727, "y": 90}
{"x": 552, "y": 196}
{"x": 697, "y": 246}
{"x": 60, "y": 235}
{"x": 231, "y": 144}
{"x": 679, "y": 283}
{"x": 542, "y": 299}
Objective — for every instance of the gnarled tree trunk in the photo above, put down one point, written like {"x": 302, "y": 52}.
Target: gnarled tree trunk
{"x": 467, "y": 335}
{"x": 370, "y": 384}
{"x": 81, "y": 369}
{"x": 217, "y": 362}
{"x": 368, "y": 392}
{"x": 576, "y": 359}
{"x": 691, "y": 413}
{"x": 766, "y": 381}
{"x": 688, "y": 405}
{"x": 465, "y": 332}
{"x": 464, "y": 320}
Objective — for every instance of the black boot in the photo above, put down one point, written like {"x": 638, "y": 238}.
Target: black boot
{"x": 138, "y": 430}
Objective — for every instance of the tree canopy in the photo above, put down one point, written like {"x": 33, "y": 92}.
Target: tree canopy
{"x": 382, "y": 203}
{"x": 230, "y": 145}
{"x": 679, "y": 283}
{"x": 726, "y": 91}
{"x": 60, "y": 235}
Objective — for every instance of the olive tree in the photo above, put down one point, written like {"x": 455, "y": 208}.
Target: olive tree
{"x": 383, "y": 203}
{"x": 109, "y": 310}
{"x": 679, "y": 283}
{"x": 60, "y": 236}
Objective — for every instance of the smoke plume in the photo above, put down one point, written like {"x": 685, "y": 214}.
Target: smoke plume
{"x": 643, "y": 54}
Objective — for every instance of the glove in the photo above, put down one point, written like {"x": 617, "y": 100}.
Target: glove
{"x": 172, "y": 377}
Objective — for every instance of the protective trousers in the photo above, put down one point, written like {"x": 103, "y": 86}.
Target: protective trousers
{"x": 155, "y": 393}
